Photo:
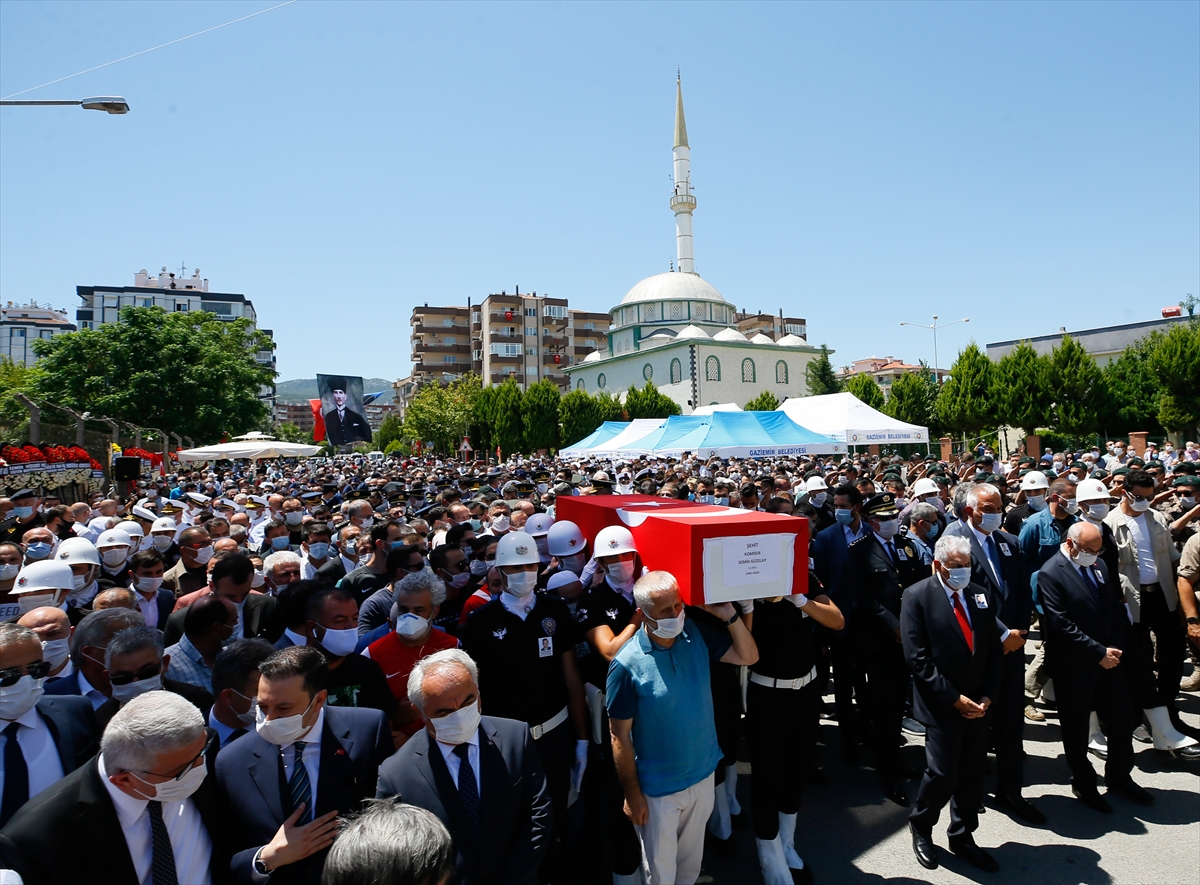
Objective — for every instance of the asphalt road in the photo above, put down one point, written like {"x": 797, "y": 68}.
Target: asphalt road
{"x": 848, "y": 833}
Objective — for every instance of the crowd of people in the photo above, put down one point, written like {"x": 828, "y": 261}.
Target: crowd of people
{"x": 350, "y": 671}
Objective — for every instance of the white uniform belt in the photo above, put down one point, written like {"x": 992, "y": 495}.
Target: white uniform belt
{"x": 549, "y": 725}
{"x": 794, "y": 684}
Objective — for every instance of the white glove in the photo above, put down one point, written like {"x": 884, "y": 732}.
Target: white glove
{"x": 798, "y": 599}
{"x": 580, "y": 766}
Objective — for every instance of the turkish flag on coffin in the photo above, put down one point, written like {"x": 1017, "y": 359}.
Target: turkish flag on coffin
{"x": 718, "y": 554}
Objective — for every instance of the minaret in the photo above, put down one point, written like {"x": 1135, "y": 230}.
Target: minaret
{"x": 682, "y": 201}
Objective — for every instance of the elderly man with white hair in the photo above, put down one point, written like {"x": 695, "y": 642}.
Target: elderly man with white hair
{"x": 142, "y": 811}
{"x": 480, "y": 775}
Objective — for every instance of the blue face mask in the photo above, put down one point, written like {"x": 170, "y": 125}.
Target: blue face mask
{"x": 933, "y": 531}
{"x": 989, "y": 522}
{"x": 318, "y": 549}
{"x": 396, "y": 545}
{"x": 22, "y": 512}
{"x": 280, "y": 543}
{"x": 476, "y": 525}
{"x": 38, "y": 550}
{"x": 844, "y": 517}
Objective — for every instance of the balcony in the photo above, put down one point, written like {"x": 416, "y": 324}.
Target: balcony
{"x": 457, "y": 328}
{"x": 548, "y": 359}
{"x": 506, "y": 358}
{"x": 501, "y": 377}
{"x": 555, "y": 341}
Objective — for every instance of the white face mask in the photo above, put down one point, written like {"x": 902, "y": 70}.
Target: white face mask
{"x": 250, "y": 715}
{"x": 501, "y": 523}
{"x": 366, "y": 522}
{"x": 9, "y": 570}
{"x": 888, "y": 528}
{"x": 30, "y": 601}
{"x": 818, "y": 498}
{"x": 520, "y": 584}
{"x": 56, "y": 651}
{"x": 1071, "y": 506}
{"x": 203, "y": 555}
{"x": 176, "y": 791}
{"x": 1097, "y": 511}
{"x": 574, "y": 563}
{"x": 989, "y": 522}
{"x": 115, "y": 558}
{"x": 620, "y": 573}
{"x": 318, "y": 550}
{"x": 339, "y": 643}
{"x": 1083, "y": 559}
{"x": 80, "y": 581}
{"x": 148, "y": 585}
{"x": 1139, "y": 506}
{"x": 258, "y": 580}
{"x": 411, "y": 626}
{"x": 130, "y": 690}
{"x": 669, "y": 628}
{"x": 457, "y": 727}
{"x": 283, "y": 731}
{"x": 162, "y": 543}
{"x": 1037, "y": 504}
{"x": 294, "y": 518}
{"x": 1188, "y": 501}
{"x": 957, "y": 578}
{"x": 19, "y": 698}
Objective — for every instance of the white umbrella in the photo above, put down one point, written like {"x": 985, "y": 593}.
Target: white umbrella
{"x": 248, "y": 448}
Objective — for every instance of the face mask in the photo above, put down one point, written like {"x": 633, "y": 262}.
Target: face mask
{"x": 844, "y": 517}
{"x": 575, "y": 562}
{"x": 456, "y": 727}
{"x": 258, "y": 580}
{"x": 460, "y": 580}
{"x": 818, "y": 498}
{"x": 250, "y": 715}
{"x": 957, "y": 578}
{"x": 19, "y": 698}
{"x": 888, "y": 528}
{"x": 151, "y": 493}
{"x": 476, "y": 525}
{"x": 280, "y": 543}
{"x": 203, "y": 555}
{"x": 80, "y": 581}
{"x": 8, "y": 571}
{"x": 30, "y": 601}
{"x": 411, "y": 626}
{"x": 1084, "y": 560}
{"x": 1118, "y": 452}
{"x": 501, "y": 523}
{"x": 130, "y": 690}
{"x": 38, "y": 550}
{"x": 620, "y": 572}
{"x": 148, "y": 585}
{"x": 22, "y": 512}
{"x": 1188, "y": 502}
{"x": 1037, "y": 504}
{"x": 1139, "y": 506}
{"x": 284, "y": 731}
{"x": 704, "y": 499}
{"x": 669, "y": 628}
{"x": 989, "y": 522}
{"x": 520, "y": 584}
{"x": 339, "y": 643}
{"x": 478, "y": 568}
{"x": 721, "y": 501}
{"x": 319, "y": 550}
{"x": 1071, "y": 506}
{"x": 55, "y": 651}
{"x": 293, "y": 518}
{"x": 366, "y": 523}
{"x": 1097, "y": 511}
{"x": 162, "y": 543}
{"x": 114, "y": 558}
{"x": 934, "y": 528}
{"x": 177, "y": 791}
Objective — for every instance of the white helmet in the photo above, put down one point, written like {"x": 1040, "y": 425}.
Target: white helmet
{"x": 614, "y": 539}
{"x": 80, "y": 551}
{"x": 113, "y": 538}
{"x": 163, "y": 524}
{"x": 517, "y": 548}
{"x": 131, "y": 528}
{"x": 924, "y": 486}
{"x": 815, "y": 484}
{"x": 1034, "y": 480}
{"x": 565, "y": 539}
{"x": 539, "y": 524}
{"x": 44, "y": 576}
{"x": 1092, "y": 490}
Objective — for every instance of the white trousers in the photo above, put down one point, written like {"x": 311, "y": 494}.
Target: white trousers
{"x": 673, "y": 836}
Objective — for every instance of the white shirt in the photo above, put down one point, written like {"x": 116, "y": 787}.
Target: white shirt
{"x": 308, "y": 571}
{"x": 348, "y": 564}
{"x": 37, "y": 746}
{"x": 453, "y": 762}
{"x": 312, "y": 757}
{"x": 983, "y": 542}
{"x": 950, "y": 594}
{"x": 852, "y": 535}
{"x": 148, "y": 607}
{"x": 1147, "y": 568}
{"x": 190, "y": 842}
{"x": 90, "y": 692}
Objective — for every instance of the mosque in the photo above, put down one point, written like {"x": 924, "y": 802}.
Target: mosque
{"x": 677, "y": 330}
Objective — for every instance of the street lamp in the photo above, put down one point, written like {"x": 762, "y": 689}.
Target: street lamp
{"x": 935, "y": 327}
{"x": 112, "y": 104}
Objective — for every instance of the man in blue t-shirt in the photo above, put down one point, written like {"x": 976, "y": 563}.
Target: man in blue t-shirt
{"x": 661, "y": 714}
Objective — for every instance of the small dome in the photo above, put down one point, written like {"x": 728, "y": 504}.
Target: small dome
{"x": 760, "y": 338}
{"x": 691, "y": 332}
{"x": 593, "y": 356}
{"x": 729, "y": 335}
{"x": 792, "y": 341}
{"x": 665, "y": 333}
{"x": 673, "y": 287}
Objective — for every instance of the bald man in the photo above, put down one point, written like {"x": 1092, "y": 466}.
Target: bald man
{"x": 53, "y": 629}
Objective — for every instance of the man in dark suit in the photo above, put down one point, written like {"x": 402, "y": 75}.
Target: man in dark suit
{"x": 137, "y": 664}
{"x": 343, "y": 425}
{"x": 130, "y": 810}
{"x": 258, "y": 615}
{"x": 886, "y": 563}
{"x": 41, "y": 738}
{"x": 285, "y": 784}
{"x": 145, "y": 578}
{"x": 1087, "y": 629}
{"x": 480, "y": 775}
{"x": 948, "y": 630}
{"x": 996, "y": 567}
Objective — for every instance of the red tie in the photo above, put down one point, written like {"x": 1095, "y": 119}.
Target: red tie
{"x": 963, "y": 623}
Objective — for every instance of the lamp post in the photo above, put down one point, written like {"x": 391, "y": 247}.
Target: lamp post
{"x": 935, "y": 327}
{"x": 111, "y": 104}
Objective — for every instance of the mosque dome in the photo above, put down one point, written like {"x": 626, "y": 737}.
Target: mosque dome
{"x": 593, "y": 356}
{"x": 760, "y": 338}
{"x": 691, "y": 332}
{"x": 673, "y": 287}
{"x": 792, "y": 341}
{"x": 729, "y": 335}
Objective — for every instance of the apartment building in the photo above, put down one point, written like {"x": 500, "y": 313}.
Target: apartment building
{"x": 885, "y": 370}
{"x": 774, "y": 327}
{"x": 23, "y": 324}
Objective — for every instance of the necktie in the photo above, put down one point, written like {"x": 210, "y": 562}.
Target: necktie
{"x": 1087, "y": 579}
{"x": 994, "y": 556}
{"x": 162, "y": 858}
{"x": 892, "y": 553}
{"x": 468, "y": 790}
{"x": 961, "y": 614}
{"x": 16, "y": 775}
{"x": 299, "y": 785}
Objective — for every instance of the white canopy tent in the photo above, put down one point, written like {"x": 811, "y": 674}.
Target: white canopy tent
{"x": 624, "y": 443}
{"x": 717, "y": 407}
{"x": 256, "y": 447}
{"x": 847, "y": 418}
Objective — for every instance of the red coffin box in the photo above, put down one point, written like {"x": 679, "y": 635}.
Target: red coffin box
{"x": 718, "y": 554}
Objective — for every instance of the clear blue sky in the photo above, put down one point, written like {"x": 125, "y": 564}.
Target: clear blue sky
{"x": 1030, "y": 165}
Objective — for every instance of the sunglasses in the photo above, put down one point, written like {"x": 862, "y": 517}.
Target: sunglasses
{"x": 147, "y": 672}
{"x": 10, "y": 675}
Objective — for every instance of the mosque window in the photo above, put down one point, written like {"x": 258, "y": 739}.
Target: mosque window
{"x": 781, "y": 376}
{"x": 676, "y": 310}
{"x": 651, "y": 313}
{"x": 676, "y": 371}
{"x": 579, "y": 385}
{"x": 712, "y": 369}
{"x": 748, "y": 371}
{"x": 647, "y": 371}
{"x": 601, "y": 381}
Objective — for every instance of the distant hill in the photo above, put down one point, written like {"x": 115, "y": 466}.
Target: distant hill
{"x": 302, "y": 390}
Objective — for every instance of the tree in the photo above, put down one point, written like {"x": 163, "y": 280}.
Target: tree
{"x": 1077, "y": 387}
{"x": 819, "y": 375}
{"x": 1132, "y": 389}
{"x": 483, "y": 419}
{"x": 187, "y": 373}
{"x": 964, "y": 403}
{"x": 913, "y": 397}
{"x": 579, "y": 415}
{"x": 390, "y": 430}
{"x": 289, "y": 432}
{"x": 14, "y": 379}
{"x": 1176, "y": 362}
{"x": 764, "y": 402}
{"x": 1021, "y": 388}
{"x": 864, "y": 387}
{"x": 539, "y": 410}
{"x": 649, "y": 402}
{"x": 610, "y": 407}
{"x": 508, "y": 431}
{"x": 440, "y": 414}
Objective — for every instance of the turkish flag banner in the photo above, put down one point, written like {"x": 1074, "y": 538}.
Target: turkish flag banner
{"x": 318, "y": 420}
{"x": 717, "y": 554}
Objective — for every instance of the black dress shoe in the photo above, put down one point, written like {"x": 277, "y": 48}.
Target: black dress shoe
{"x": 924, "y": 849}
{"x": 1092, "y": 799}
{"x": 1131, "y": 791}
{"x": 965, "y": 847}
{"x": 894, "y": 790}
{"x": 1019, "y": 806}
{"x": 1189, "y": 753}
